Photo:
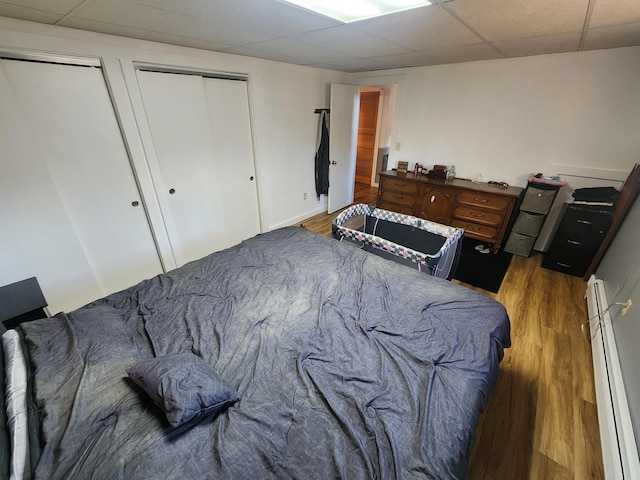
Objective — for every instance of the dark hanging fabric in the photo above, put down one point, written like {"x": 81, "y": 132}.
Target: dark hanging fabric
{"x": 322, "y": 156}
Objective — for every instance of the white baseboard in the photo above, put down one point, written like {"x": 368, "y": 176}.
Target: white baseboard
{"x": 299, "y": 218}
{"x": 619, "y": 450}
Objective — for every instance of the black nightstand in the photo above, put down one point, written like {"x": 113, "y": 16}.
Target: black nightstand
{"x": 20, "y": 302}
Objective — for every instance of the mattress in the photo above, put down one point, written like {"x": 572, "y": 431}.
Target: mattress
{"x": 16, "y": 406}
{"x": 344, "y": 364}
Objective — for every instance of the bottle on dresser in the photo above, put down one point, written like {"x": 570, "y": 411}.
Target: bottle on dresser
{"x": 451, "y": 172}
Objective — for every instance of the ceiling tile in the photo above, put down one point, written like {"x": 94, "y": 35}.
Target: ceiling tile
{"x": 61, "y": 7}
{"x": 540, "y": 45}
{"x": 465, "y": 53}
{"x": 30, "y": 14}
{"x": 614, "y": 36}
{"x": 269, "y": 16}
{"x": 502, "y": 19}
{"x": 413, "y": 59}
{"x": 350, "y": 41}
{"x": 354, "y": 65}
{"x": 420, "y": 28}
{"x": 127, "y": 14}
{"x": 304, "y": 53}
{"x": 143, "y": 34}
{"x": 613, "y": 12}
{"x": 249, "y": 52}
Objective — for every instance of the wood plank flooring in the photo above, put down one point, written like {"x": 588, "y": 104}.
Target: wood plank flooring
{"x": 541, "y": 422}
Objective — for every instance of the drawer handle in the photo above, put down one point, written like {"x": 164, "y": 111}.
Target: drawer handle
{"x": 563, "y": 265}
{"x": 476, "y": 215}
{"x": 481, "y": 200}
{"x": 433, "y": 198}
{"x": 398, "y": 197}
{"x": 573, "y": 242}
{"x": 586, "y": 222}
{"x": 397, "y": 184}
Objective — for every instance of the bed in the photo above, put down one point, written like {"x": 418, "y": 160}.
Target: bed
{"x": 290, "y": 355}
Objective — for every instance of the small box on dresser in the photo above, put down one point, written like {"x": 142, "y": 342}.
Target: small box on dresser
{"x": 577, "y": 239}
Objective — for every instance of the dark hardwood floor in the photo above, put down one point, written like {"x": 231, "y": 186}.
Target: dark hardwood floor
{"x": 541, "y": 422}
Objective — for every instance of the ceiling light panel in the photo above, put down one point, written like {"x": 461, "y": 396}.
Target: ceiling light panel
{"x": 353, "y": 10}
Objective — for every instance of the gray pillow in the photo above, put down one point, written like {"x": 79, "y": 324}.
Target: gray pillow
{"x": 183, "y": 385}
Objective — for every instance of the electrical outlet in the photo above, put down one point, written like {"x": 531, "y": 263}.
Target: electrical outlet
{"x": 304, "y": 196}
{"x": 626, "y": 306}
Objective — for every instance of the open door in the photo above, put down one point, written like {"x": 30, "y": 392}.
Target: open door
{"x": 343, "y": 137}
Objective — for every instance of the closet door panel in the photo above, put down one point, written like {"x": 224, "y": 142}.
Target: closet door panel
{"x": 235, "y": 186}
{"x": 37, "y": 237}
{"x": 202, "y": 143}
{"x": 73, "y": 127}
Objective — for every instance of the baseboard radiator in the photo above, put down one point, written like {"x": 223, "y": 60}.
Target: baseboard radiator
{"x": 619, "y": 450}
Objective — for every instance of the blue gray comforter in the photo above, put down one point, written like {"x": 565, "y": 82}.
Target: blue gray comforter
{"x": 347, "y": 366}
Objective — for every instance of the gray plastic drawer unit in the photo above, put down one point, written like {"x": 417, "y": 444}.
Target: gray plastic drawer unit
{"x": 528, "y": 223}
{"x": 537, "y": 200}
{"x": 519, "y": 244}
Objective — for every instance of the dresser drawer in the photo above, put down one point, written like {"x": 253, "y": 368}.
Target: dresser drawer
{"x": 567, "y": 260}
{"x": 587, "y": 221}
{"x": 519, "y": 244}
{"x": 482, "y": 200}
{"x": 407, "y": 210}
{"x": 478, "y": 216}
{"x": 399, "y": 185}
{"x": 586, "y": 244}
{"x": 398, "y": 198}
{"x": 537, "y": 200}
{"x": 528, "y": 223}
{"x": 475, "y": 230}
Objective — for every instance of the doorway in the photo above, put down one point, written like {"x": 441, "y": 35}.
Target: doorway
{"x": 344, "y": 133}
{"x": 373, "y": 134}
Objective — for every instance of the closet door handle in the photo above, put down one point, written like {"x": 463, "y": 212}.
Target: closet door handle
{"x": 135, "y": 203}
{"x": 251, "y": 178}
{"x": 333, "y": 162}
{"x": 172, "y": 191}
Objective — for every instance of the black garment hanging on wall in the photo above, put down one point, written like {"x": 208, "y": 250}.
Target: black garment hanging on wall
{"x": 322, "y": 155}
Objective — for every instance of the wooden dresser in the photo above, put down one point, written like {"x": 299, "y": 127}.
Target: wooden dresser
{"x": 483, "y": 210}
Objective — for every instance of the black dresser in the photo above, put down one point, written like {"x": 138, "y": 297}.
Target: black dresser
{"x": 580, "y": 233}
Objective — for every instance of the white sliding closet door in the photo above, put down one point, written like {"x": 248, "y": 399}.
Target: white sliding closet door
{"x": 67, "y": 188}
{"x": 205, "y": 181}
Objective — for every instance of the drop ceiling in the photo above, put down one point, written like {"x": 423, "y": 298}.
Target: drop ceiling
{"x": 449, "y": 31}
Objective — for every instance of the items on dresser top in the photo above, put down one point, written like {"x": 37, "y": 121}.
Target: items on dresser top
{"x": 481, "y": 209}
{"x": 597, "y": 196}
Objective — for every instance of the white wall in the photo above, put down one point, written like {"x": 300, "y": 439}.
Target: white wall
{"x": 282, "y": 100}
{"x": 502, "y": 118}
{"x": 508, "y": 118}
{"x": 620, "y": 270}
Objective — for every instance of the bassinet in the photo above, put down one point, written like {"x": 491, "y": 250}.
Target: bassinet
{"x": 402, "y": 238}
